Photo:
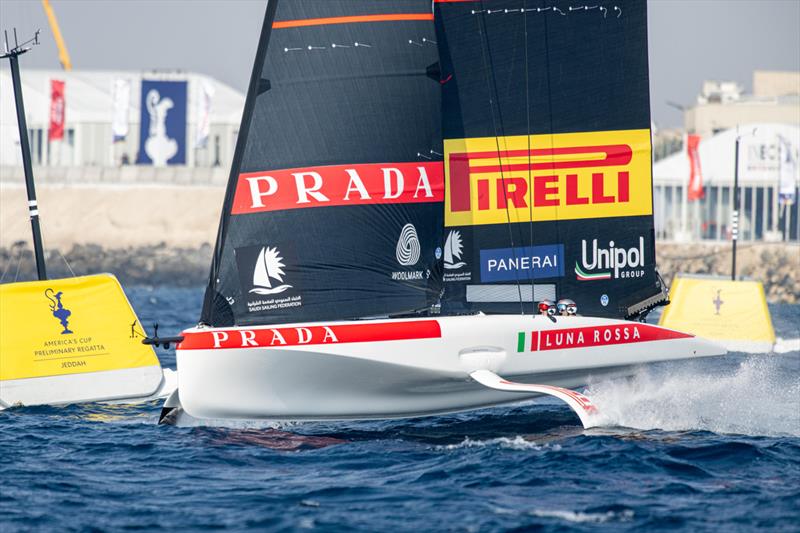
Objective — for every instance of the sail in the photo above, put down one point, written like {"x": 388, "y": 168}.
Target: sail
{"x": 334, "y": 204}
{"x": 546, "y": 125}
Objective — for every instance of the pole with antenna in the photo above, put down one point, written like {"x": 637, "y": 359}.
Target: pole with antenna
{"x": 735, "y": 214}
{"x": 736, "y": 199}
{"x": 33, "y": 207}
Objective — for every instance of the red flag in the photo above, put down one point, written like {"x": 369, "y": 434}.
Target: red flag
{"x": 57, "y": 110}
{"x": 695, "y": 189}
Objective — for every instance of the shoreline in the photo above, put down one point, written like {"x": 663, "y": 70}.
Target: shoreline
{"x": 777, "y": 265}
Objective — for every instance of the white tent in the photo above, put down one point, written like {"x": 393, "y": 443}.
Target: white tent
{"x": 89, "y": 114}
{"x": 762, "y": 165}
{"x": 758, "y": 156}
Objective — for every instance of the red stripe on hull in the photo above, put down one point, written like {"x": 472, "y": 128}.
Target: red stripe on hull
{"x": 561, "y": 339}
{"x": 309, "y": 335}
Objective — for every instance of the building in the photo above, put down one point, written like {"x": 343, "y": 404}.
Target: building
{"x": 768, "y": 163}
{"x": 724, "y": 105}
{"x": 88, "y": 141}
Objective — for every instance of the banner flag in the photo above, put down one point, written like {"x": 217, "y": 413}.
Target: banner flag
{"x": 695, "y": 188}
{"x": 121, "y": 103}
{"x": 162, "y": 136}
{"x": 787, "y": 172}
{"x": 57, "y": 110}
{"x": 203, "y": 114}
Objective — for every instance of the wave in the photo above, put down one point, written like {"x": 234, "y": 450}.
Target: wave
{"x": 786, "y": 345}
{"x": 757, "y": 397}
{"x": 583, "y": 517}
{"x": 509, "y": 443}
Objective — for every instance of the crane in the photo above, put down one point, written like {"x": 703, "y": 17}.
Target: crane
{"x": 63, "y": 55}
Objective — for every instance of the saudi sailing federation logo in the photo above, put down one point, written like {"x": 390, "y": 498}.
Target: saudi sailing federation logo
{"x": 269, "y": 266}
{"x": 408, "y": 247}
{"x": 453, "y": 248}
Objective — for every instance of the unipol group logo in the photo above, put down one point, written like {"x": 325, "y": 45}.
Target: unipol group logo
{"x": 453, "y": 248}
{"x": 612, "y": 262}
{"x": 407, "y": 251}
{"x": 491, "y": 180}
{"x": 269, "y": 266}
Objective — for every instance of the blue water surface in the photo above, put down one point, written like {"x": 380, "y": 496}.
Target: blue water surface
{"x": 704, "y": 446}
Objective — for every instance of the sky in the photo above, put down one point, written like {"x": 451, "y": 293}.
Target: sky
{"x": 689, "y": 40}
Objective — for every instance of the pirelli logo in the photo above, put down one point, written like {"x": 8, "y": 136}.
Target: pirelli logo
{"x": 547, "y": 177}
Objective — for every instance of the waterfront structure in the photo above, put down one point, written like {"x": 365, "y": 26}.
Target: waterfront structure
{"x": 723, "y": 105}
{"x": 768, "y": 155}
{"x": 91, "y": 137}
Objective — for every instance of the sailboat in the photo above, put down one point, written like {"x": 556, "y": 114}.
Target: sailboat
{"x": 424, "y": 180}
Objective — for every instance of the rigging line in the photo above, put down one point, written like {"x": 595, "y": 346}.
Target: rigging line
{"x": 487, "y": 67}
{"x": 66, "y": 263}
{"x": 5, "y": 270}
{"x": 528, "y": 130}
{"x": 552, "y": 134}
{"x": 19, "y": 262}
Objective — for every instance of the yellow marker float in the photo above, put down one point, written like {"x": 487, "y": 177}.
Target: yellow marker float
{"x": 70, "y": 340}
{"x": 732, "y": 312}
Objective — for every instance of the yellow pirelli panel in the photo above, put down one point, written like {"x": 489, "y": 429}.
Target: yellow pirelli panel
{"x": 495, "y": 180}
{"x": 719, "y": 309}
{"x": 68, "y": 326}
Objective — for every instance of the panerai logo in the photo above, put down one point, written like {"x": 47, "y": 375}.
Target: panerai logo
{"x": 612, "y": 262}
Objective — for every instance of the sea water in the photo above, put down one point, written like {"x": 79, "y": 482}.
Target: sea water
{"x": 699, "y": 446}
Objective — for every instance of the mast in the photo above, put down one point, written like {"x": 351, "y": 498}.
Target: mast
{"x": 33, "y": 206}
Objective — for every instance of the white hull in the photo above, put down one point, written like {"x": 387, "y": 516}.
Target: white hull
{"x": 404, "y": 368}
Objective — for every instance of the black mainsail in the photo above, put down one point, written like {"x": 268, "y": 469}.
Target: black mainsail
{"x": 334, "y": 203}
{"x": 547, "y": 155}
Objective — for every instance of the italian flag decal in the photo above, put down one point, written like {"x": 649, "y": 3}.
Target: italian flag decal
{"x": 583, "y": 276}
{"x": 521, "y": 341}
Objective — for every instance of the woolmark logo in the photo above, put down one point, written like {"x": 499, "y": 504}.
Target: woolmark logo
{"x": 407, "y": 251}
{"x": 598, "y": 263}
{"x": 269, "y": 266}
{"x": 547, "y": 177}
{"x": 453, "y": 248}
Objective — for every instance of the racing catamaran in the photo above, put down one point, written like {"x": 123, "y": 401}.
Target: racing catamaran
{"x": 414, "y": 183}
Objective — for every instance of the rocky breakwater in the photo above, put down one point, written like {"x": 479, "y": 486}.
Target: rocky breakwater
{"x": 156, "y": 264}
{"x": 776, "y": 265}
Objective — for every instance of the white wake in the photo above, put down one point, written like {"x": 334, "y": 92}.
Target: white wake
{"x": 760, "y": 396}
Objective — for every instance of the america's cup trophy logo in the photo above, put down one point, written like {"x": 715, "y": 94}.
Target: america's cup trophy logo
{"x": 269, "y": 266}
{"x": 58, "y": 309}
{"x": 158, "y": 146}
{"x": 408, "y": 248}
{"x": 453, "y": 248}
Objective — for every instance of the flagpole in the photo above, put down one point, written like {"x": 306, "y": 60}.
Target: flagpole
{"x": 735, "y": 214}
{"x": 33, "y": 206}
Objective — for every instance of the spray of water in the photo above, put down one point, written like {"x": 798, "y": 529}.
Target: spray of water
{"x": 759, "y": 396}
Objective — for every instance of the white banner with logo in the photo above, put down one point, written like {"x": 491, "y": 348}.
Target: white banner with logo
{"x": 121, "y": 103}
{"x": 203, "y": 114}
{"x": 788, "y": 171}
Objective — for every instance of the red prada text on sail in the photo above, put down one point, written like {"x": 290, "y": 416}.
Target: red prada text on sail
{"x": 370, "y": 183}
